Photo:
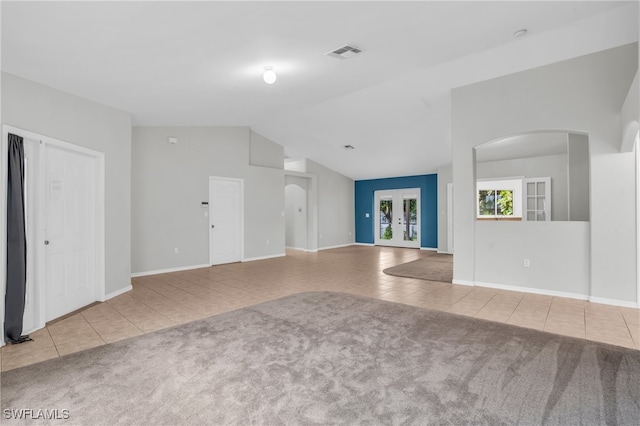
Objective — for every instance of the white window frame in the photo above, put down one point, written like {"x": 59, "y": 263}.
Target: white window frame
{"x": 512, "y": 184}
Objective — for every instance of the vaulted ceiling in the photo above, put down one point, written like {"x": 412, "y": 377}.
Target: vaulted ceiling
{"x": 201, "y": 64}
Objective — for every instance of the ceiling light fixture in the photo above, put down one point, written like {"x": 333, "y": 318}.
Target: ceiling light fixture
{"x": 269, "y": 75}
{"x": 520, "y": 33}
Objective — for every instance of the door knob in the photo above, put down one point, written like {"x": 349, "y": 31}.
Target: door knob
{"x": 213, "y": 226}
{"x": 46, "y": 242}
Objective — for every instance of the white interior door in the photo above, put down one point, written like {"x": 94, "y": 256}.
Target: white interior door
{"x": 226, "y": 200}
{"x": 397, "y": 217}
{"x": 70, "y": 230}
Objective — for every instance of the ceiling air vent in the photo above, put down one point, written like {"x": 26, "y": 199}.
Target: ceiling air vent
{"x": 344, "y": 52}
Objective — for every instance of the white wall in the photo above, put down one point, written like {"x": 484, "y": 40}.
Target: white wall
{"x": 582, "y": 95}
{"x": 578, "y": 177}
{"x": 630, "y": 116}
{"x": 445, "y": 176}
{"x": 40, "y": 109}
{"x": 503, "y": 265}
{"x": 336, "y": 209}
{"x": 169, "y": 182}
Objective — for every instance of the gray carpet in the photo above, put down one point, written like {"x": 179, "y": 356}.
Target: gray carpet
{"x": 331, "y": 358}
{"x": 433, "y": 267}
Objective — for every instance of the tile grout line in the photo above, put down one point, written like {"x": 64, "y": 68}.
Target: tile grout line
{"x": 483, "y": 306}
{"x": 626, "y": 323}
{"x": 53, "y": 341}
{"x": 94, "y": 330}
{"x": 149, "y": 307}
{"x": 170, "y": 300}
{"x": 515, "y": 309}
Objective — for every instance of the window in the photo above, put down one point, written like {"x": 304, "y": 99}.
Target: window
{"x": 499, "y": 199}
{"x": 514, "y": 199}
{"x": 495, "y": 202}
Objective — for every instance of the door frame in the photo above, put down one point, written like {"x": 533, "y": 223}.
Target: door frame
{"x": 241, "y": 181}
{"x": 637, "y": 148}
{"x": 450, "y": 218}
{"x": 376, "y": 220}
{"x": 40, "y": 285}
{"x": 312, "y": 207}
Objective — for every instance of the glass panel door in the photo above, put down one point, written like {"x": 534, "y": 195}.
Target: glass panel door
{"x": 537, "y": 199}
{"x": 386, "y": 219}
{"x": 410, "y": 219}
{"x": 397, "y": 219}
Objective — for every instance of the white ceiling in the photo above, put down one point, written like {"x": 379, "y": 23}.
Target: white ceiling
{"x": 535, "y": 144}
{"x": 200, "y": 64}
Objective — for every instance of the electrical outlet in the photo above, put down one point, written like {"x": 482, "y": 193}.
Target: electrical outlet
{"x": 175, "y": 250}
{"x": 526, "y": 263}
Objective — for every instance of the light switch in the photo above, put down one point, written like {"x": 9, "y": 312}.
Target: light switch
{"x": 366, "y": 215}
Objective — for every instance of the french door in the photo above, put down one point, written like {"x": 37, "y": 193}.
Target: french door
{"x": 397, "y": 217}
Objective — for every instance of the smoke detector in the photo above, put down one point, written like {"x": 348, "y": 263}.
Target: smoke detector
{"x": 344, "y": 52}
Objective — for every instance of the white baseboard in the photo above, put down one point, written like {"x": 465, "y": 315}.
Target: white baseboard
{"x": 302, "y": 249}
{"x": 335, "y": 247}
{"x": 364, "y": 244}
{"x": 578, "y": 296}
{"x": 118, "y": 292}
{"x": 429, "y": 248}
{"x": 444, "y": 252}
{"x": 164, "y": 271}
{"x": 271, "y": 256}
{"x": 463, "y": 282}
{"x": 613, "y": 302}
{"x": 534, "y": 290}
{"x": 36, "y": 328}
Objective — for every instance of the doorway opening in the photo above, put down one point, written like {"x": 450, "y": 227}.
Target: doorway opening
{"x": 397, "y": 218}
{"x": 301, "y": 218}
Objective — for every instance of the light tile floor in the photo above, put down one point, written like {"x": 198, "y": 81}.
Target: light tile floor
{"x": 165, "y": 300}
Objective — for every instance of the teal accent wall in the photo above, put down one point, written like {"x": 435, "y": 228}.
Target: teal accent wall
{"x": 364, "y": 204}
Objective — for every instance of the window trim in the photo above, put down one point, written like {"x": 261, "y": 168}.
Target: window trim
{"x": 508, "y": 183}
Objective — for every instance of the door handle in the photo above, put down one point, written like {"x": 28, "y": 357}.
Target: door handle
{"x": 46, "y": 242}
{"x": 213, "y": 226}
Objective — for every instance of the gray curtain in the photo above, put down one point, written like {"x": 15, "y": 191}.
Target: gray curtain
{"x": 16, "y": 243}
